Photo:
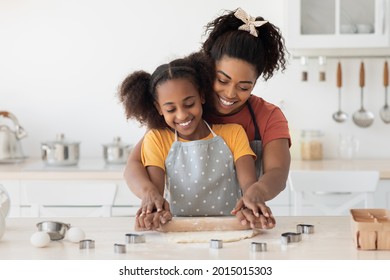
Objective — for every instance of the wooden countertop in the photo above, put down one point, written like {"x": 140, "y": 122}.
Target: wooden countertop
{"x": 332, "y": 240}
{"x": 96, "y": 169}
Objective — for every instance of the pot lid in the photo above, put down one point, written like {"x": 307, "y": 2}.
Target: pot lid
{"x": 60, "y": 139}
{"x": 117, "y": 142}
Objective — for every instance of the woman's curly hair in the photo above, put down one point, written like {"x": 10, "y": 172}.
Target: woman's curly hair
{"x": 266, "y": 52}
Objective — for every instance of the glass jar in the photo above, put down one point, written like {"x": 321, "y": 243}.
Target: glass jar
{"x": 311, "y": 145}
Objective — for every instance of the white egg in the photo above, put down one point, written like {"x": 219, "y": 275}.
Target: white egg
{"x": 75, "y": 234}
{"x": 40, "y": 239}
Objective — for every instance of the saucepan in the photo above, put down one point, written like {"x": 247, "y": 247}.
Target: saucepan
{"x": 60, "y": 152}
{"x": 116, "y": 152}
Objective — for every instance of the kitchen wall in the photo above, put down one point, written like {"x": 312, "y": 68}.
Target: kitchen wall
{"x": 62, "y": 61}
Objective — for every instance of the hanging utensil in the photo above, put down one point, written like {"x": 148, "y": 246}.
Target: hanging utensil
{"x": 385, "y": 111}
{"x": 304, "y": 66}
{"x": 362, "y": 117}
{"x": 339, "y": 116}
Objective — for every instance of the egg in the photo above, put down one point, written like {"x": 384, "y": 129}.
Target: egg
{"x": 40, "y": 239}
{"x": 75, "y": 234}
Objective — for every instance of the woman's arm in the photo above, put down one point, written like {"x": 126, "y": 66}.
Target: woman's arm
{"x": 147, "y": 216}
{"x": 139, "y": 182}
{"x": 276, "y": 165}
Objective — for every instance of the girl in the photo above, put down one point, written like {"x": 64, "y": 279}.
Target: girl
{"x": 244, "y": 49}
{"x": 204, "y": 169}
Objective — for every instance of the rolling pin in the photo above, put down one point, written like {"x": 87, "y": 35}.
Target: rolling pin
{"x": 181, "y": 224}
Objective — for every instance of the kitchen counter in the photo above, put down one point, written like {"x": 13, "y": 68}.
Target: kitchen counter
{"x": 96, "y": 169}
{"x": 86, "y": 169}
{"x": 332, "y": 240}
{"x": 382, "y": 165}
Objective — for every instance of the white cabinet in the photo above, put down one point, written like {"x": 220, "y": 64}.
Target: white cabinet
{"x": 70, "y": 198}
{"x": 330, "y": 24}
{"x": 281, "y": 204}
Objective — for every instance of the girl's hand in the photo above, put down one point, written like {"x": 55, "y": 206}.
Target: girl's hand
{"x": 252, "y": 208}
{"x": 152, "y": 221}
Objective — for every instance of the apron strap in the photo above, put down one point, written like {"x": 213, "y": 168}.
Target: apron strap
{"x": 257, "y": 132}
{"x": 206, "y": 125}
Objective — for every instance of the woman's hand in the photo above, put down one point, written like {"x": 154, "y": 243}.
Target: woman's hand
{"x": 252, "y": 208}
{"x": 152, "y": 201}
{"x": 152, "y": 221}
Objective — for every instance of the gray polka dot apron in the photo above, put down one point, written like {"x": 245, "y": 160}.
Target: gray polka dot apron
{"x": 256, "y": 144}
{"x": 201, "y": 178}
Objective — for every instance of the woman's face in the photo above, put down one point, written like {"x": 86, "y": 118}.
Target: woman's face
{"x": 179, "y": 102}
{"x": 234, "y": 83}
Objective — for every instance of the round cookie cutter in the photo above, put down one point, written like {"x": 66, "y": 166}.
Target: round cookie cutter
{"x": 290, "y": 237}
{"x": 119, "y": 248}
{"x": 305, "y": 228}
{"x": 134, "y": 238}
{"x": 87, "y": 244}
{"x": 216, "y": 243}
{"x": 258, "y": 246}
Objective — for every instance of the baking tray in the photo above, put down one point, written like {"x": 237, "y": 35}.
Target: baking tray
{"x": 371, "y": 228}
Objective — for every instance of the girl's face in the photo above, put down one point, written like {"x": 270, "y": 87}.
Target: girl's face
{"x": 179, "y": 102}
{"x": 233, "y": 85}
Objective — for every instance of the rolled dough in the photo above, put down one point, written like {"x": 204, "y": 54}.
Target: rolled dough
{"x": 206, "y": 236}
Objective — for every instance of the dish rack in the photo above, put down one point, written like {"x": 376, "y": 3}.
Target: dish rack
{"x": 371, "y": 228}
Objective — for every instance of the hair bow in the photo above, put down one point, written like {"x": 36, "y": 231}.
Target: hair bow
{"x": 250, "y": 23}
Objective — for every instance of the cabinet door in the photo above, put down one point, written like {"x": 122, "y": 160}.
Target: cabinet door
{"x": 318, "y": 24}
{"x": 281, "y": 205}
{"x": 68, "y": 198}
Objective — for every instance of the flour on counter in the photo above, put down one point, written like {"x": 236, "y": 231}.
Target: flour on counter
{"x": 206, "y": 236}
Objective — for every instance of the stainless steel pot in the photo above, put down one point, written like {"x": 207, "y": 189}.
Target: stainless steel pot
{"x": 60, "y": 152}
{"x": 10, "y": 146}
{"x": 116, "y": 152}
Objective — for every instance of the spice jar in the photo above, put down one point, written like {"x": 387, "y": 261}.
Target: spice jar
{"x": 311, "y": 145}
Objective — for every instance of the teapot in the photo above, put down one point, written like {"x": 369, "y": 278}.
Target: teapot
{"x": 10, "y": 146}
{"x": 4, "y": 209}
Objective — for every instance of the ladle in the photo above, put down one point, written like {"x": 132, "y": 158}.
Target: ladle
{"x": 362, "y": 117}
{"x": 339, "y": 116}
{"x": 385, "y": 111}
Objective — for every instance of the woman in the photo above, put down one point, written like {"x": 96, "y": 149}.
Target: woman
{"x": 244, "y": 49}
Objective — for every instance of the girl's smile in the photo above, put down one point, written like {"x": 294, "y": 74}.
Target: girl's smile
{"x": 179, "y": 102}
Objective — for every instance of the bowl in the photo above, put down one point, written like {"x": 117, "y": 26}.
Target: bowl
{"x": 56, "y": 230}
{"x": 365, "y": 28}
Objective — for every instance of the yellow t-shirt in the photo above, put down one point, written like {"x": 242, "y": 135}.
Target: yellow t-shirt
{"x": 157, "y": 143}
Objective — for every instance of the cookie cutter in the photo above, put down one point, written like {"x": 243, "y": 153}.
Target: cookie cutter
{"x": 134, "y": 238}
{"x": 305, "y": 228}
{"x": 290, "y": 237}
{"x": 258, "y": 247}
{"x": 87, "y": 244}
{"x": 216, "y": 243}
{"x": 119, "y": 248}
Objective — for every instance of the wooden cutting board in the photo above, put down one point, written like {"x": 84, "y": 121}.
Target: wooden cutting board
{"x": 181, "y": 224}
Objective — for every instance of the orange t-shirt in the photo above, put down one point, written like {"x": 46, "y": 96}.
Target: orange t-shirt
{"x": 270, "y": 119}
